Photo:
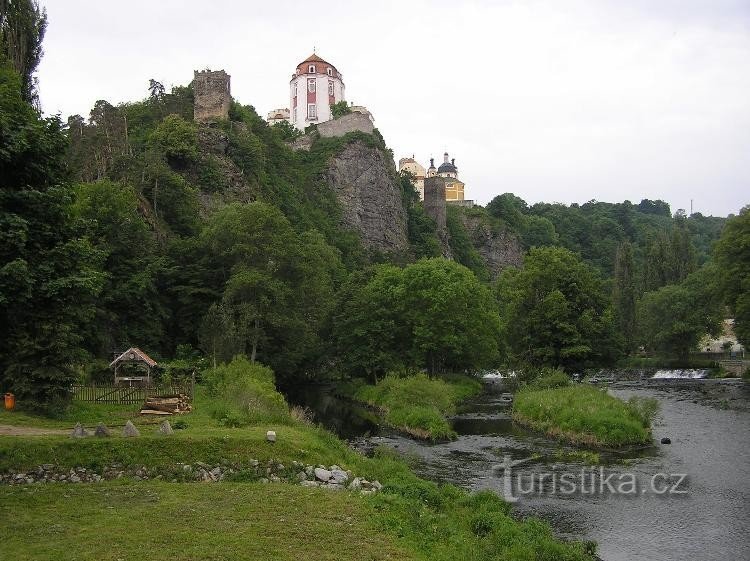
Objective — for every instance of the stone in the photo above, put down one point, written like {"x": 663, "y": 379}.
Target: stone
{"x": 307, "y": 483}
{"x": 271, "y": 436}
{"x": 187, "y": 467}
{"x": 339, "y": 476}
{"x": 376, "y": 485}
{"x": 216, "y": 473}
{"x": 334, "y": 487}
{"x": 165, "y": 429}
{"x": 79, "y": 432}
{"x": 666, "y": 440}
{"x": 47, "y": 467}
{"x": 102, "y": 431}
{"x": 498, "y": 249}
{"x": 356, "y": 484}
{"x": 130, "y": 430}
{"x": 302, "y": 476}
{"x": 322, "y": 474}
{"x": 367, "y": 188}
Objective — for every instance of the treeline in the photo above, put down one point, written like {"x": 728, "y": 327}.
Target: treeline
{"x": 138, "y": 227}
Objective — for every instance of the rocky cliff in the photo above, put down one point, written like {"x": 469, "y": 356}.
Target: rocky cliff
{"x": 498, "y": 249}
{"x": 365, "y": 183}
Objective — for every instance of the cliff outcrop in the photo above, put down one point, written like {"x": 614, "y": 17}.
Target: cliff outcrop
{"x": 498, "y": 249}
{"x": 367, "y": 189}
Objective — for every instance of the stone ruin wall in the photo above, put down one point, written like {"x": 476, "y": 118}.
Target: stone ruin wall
{"x": 212, "y": 95}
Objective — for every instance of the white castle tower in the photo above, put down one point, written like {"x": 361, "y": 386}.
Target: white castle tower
{"x": 314, "y": 87}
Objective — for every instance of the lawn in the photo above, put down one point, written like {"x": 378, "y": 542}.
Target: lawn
{"x": 153, "y": 520}
{"x": 584, "y": 414}
{"x": 418, "y": 404}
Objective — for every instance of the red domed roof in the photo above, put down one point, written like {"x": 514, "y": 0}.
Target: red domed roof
{"x": 315, "y": 59}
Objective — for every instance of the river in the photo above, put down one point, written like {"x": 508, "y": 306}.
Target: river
{"x": 706, "y": 519}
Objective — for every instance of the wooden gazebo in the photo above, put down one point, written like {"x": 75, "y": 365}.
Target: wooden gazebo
{"x": 133, "y": 366}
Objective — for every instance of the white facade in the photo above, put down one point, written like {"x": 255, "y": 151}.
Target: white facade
{"x": 314, "y": 87}
{"x": 277, "y": 115}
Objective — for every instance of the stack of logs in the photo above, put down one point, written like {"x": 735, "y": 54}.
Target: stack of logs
{"x": 166, "y": 405}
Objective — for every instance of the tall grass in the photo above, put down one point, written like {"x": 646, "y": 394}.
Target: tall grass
{"x": 418, "y": 404}
{"x": 584, "y": 414}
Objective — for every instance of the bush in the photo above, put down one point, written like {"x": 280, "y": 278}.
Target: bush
{"x": 549, "y": 378}
{"x": 245, "y": 393}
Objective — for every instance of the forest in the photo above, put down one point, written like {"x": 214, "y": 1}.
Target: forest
{"x": 121, "y": 229}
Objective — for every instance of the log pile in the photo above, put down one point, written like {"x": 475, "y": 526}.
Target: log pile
{"x": 166, "y": 405}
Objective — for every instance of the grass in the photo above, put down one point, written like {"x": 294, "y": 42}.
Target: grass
{"x": 124, "y": 519}
{"x": 583, "y": 414}
{"x": 417, "y": 405}
{"x": 186, "y": 522}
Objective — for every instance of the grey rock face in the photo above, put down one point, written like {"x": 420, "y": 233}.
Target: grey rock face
{"x": 339, "y": 476}
{"x": 130, "y": 430}
{"x": 498, "y": 250}
{"x": 366, "y": 186}
{"x": 271, "y": 436}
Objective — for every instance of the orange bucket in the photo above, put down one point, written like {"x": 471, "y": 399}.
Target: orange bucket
{"x": 10, "y": 402}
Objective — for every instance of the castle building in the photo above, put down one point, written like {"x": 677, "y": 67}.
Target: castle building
{"x": 314, "y": 87}
{"x": 212, "y": 95}
{"x": 454, "y": 188}
{"x": 413, "y": 167}
{"x": 277, "y": 115}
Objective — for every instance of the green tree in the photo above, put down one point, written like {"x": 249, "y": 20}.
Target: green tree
{"x": 555, "y": 311}
{"x": 22, "y": 27}
{"x": 732, "y": 255}
{"x": 177, "y": 139}
{"x": 340, "y": 109}
{"x": 673, "y": 318}
{"x": 624, "y": 293}
{"x": 49, "y": 274}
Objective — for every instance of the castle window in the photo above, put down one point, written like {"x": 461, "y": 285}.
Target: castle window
{"x": 311, "y": 85}
{"x": 330, "y": 72}
{"x": 330, "y": 87}
{"x": 312, "y": 113}
{"x": 311, "y": 69}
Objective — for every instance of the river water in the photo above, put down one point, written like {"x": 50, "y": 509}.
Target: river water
{"x": 706, "y": 519}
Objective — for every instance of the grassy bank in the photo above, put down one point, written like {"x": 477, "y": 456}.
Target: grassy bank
{"x": 417, "y": 405}
{"x": 583, "y": 414}
{"x": 235, "y": 519}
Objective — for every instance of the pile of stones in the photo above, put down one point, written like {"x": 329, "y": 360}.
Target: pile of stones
{"x": 332, "y": 478}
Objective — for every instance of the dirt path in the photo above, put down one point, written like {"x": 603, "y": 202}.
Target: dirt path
{"x": 13, "y": 430}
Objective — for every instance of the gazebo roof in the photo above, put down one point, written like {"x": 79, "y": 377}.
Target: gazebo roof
{"x": 133, "y": 354}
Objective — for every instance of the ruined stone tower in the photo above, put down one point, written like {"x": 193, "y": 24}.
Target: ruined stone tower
{"x": 212, "y": 95}
{"x": 435, "y": 208}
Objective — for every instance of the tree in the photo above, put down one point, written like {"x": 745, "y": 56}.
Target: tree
{"x": 433, "y": 314}
{"x": 673, "y": 318}
{"x": 49, "y": 275}
{"x": 177, "y": 139}
{"x": 624, "y": 293}
{"x": 555, "y": 313}
{"x": 732, "y": 255}
{"x": 22, "y": 28}
{"x": 340, "y": 109}
{"x": 155, "y": 90}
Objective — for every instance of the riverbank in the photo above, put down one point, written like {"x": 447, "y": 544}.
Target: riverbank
{"x": 583, "y": 414}
{"x": 246, "y": 512}
{"x": 418, "y": 405}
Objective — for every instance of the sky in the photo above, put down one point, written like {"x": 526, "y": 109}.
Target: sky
{"x": 557, "y": 101}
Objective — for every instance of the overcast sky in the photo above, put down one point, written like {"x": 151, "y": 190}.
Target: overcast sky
{"x": 561, "y": 100}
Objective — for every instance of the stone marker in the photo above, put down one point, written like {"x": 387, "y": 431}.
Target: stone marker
{"x": 102, "y": 431}
{"x": 271, "y": 436}
{"x": 165, "y": 428}
{"x": 666, "y": 440}
{"x": 78, "y": 431}
{"x": 130, "y": 430}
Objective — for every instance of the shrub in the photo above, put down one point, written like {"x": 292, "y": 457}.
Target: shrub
{"x": 245, "y": 393}
{"x": 549, "y": 378}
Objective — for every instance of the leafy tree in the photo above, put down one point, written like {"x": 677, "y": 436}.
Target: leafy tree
{"x": 49, "y": 275}
{"x": 433, "y": 314}
{"x": 732, "y": 255}
{"x": 340, "y": 109}
{"x": 422, "y": 230}
{"x": 673, "y": 318}
{"x": 155, "y": 89}
{"x": 460, "y": 243}
{"x": 22, "y": 28}
{"x": 555, "y": 312}
{"x": 624, "y": 293}
{"x": 177, "y": 139}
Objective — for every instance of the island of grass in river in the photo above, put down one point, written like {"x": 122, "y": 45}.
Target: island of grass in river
{"x": 418, "y": 405}
{"x": 584, "y": 414}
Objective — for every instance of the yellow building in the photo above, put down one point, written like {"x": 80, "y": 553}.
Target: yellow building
{"x": 454, "y": 188}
